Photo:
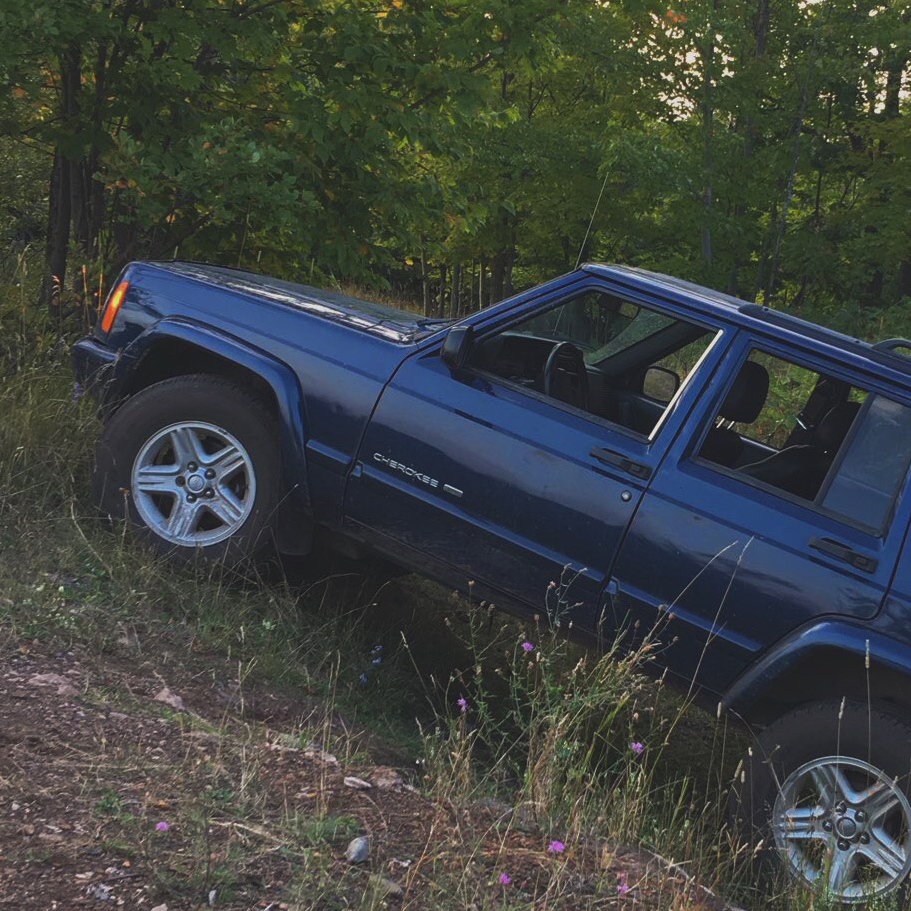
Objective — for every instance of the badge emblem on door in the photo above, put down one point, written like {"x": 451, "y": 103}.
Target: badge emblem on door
{"x": 414, "y": 474}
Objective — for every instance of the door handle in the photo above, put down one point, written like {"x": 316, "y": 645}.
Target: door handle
{"x": 618, "y": 460}
{"x": 845, "y": 554}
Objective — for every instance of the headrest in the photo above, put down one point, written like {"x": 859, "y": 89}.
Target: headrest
{"x": 834, "y": 426}
{"x": 746, "y": 397}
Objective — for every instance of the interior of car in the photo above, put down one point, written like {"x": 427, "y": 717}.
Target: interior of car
{"x": 782, "y": 425}
{"x": 601, "y": 354}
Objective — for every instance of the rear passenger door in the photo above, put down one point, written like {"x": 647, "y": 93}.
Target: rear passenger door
{"x": 751, "y": 550}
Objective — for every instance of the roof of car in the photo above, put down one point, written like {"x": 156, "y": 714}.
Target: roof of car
{"x": 856, "y": 351}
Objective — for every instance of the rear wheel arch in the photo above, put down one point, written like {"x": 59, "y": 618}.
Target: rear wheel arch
{"x": 824, "y": 672}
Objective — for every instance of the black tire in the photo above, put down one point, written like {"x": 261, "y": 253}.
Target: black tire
{"x": 878, "y": 735}
{"x": 198, "y": 397}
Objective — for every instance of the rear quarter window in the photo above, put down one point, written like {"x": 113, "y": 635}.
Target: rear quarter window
{"x": 866, "y": 482}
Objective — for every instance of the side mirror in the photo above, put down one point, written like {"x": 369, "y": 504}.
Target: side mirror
{"x": 456, "y": 346}
{"x": 660, "y": 384}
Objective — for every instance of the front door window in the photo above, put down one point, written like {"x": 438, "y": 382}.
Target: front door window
{"x": 599, "y": 353}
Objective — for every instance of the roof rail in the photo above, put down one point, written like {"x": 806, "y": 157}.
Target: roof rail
{"x": 804, "y": 327}
{"x": 892, "y": 345}
{"x": 885, "y": 352}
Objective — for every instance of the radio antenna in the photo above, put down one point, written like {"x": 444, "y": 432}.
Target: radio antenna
{"x": 592, "y": 219}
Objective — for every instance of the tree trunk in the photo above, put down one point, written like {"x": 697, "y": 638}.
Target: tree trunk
{"x": 497, "y": 276}
{"x": 760, "y": 37}
{"x": 482, "y": 284}
{"x": 58, "y": 231}
{"x": 455, "y": 290}
{"x": 64, "y": 203}
{"x": 425, "y": 281}
{"x": 708, "y": 128}
{"x": 441, "y": 308}
{"x": 507, "y": 269}
{"x": 788, "y": 193}
{"x": 904, "y": 278}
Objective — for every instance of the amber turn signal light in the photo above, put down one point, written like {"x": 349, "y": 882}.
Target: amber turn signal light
{"x": 113, "y": 305}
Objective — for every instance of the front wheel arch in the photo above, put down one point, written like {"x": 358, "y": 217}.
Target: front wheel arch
{"x": 174, "y": 348}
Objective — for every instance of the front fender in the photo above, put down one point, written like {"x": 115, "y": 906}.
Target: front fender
{"x": 858, "y": 649}
{"x": 279, "y": 377}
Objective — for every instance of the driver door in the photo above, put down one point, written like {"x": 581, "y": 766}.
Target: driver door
{"x": 494, "y": 482}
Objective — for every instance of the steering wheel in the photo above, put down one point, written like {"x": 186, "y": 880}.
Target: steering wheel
{"x": 565, "y": 376}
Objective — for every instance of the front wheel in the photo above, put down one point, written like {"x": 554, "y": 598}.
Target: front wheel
{"x": 192, "y": 462}
{"x": 828, "y": 786}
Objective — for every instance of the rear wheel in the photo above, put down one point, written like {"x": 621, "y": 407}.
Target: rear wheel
{"x": 828, "y": 786}
{"x": 192, "y": 462}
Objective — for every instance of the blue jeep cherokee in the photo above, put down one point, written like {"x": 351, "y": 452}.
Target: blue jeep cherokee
{"x": 727, "y": 475}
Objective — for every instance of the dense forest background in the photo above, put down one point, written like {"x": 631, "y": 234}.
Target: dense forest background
{"x": 451, "y": 151}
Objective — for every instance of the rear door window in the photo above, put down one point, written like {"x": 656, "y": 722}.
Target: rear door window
{"x": 814, "y": 437}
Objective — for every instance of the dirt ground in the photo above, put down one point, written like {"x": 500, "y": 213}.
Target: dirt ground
{"x": 128, "y": 783}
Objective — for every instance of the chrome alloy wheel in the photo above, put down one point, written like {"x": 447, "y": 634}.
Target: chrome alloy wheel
{"x": 193, "y": 484}
{"x": 844, "y": 827}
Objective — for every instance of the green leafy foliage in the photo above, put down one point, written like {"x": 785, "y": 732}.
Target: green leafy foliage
{"x": 456, "y": 150}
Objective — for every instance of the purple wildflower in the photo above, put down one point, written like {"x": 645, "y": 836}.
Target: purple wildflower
{"x": 636, "y": 747}
{"x": 556, "y": 847}
{"x": 622, "y": 884}
{"x": 504, "y": 879}
{"x": 363, "y": 679}
{"x": 162, "y": 826}
{"x": 462, "y": 704}
{"x": 77, "y": 392}
{"x": 527, "y": 647}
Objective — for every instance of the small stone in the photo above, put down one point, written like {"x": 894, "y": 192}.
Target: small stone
{"x": 357, "y": 851}
{"x": 100, "y": 892}
{"x": 386, "y": 886}
{"x": 64, "y": 687}
{"x": 352, "y": 781}
{"x": 385, "y": 778}
{"x": 312, "y": 751}
{"x": 172, "y": 699}
{"x": 162, "y": 907}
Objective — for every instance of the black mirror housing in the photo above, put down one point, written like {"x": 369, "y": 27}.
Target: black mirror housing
{"x": 456, "y": 346}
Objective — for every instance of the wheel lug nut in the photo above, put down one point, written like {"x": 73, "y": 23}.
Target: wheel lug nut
{"x": 841, "y": 807}
{"x": 860, "y": 816}
{"x": 842, "y": 845}
{"x": 191, "y": 498}
{"x": 864, "y": 838}
{"x": 210, "y": 473}
{"x": 181, "y": 480}
{"x": 192, "y": 466}
{"x": 209, "y": 493}
{"x": 827, "y": 825}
